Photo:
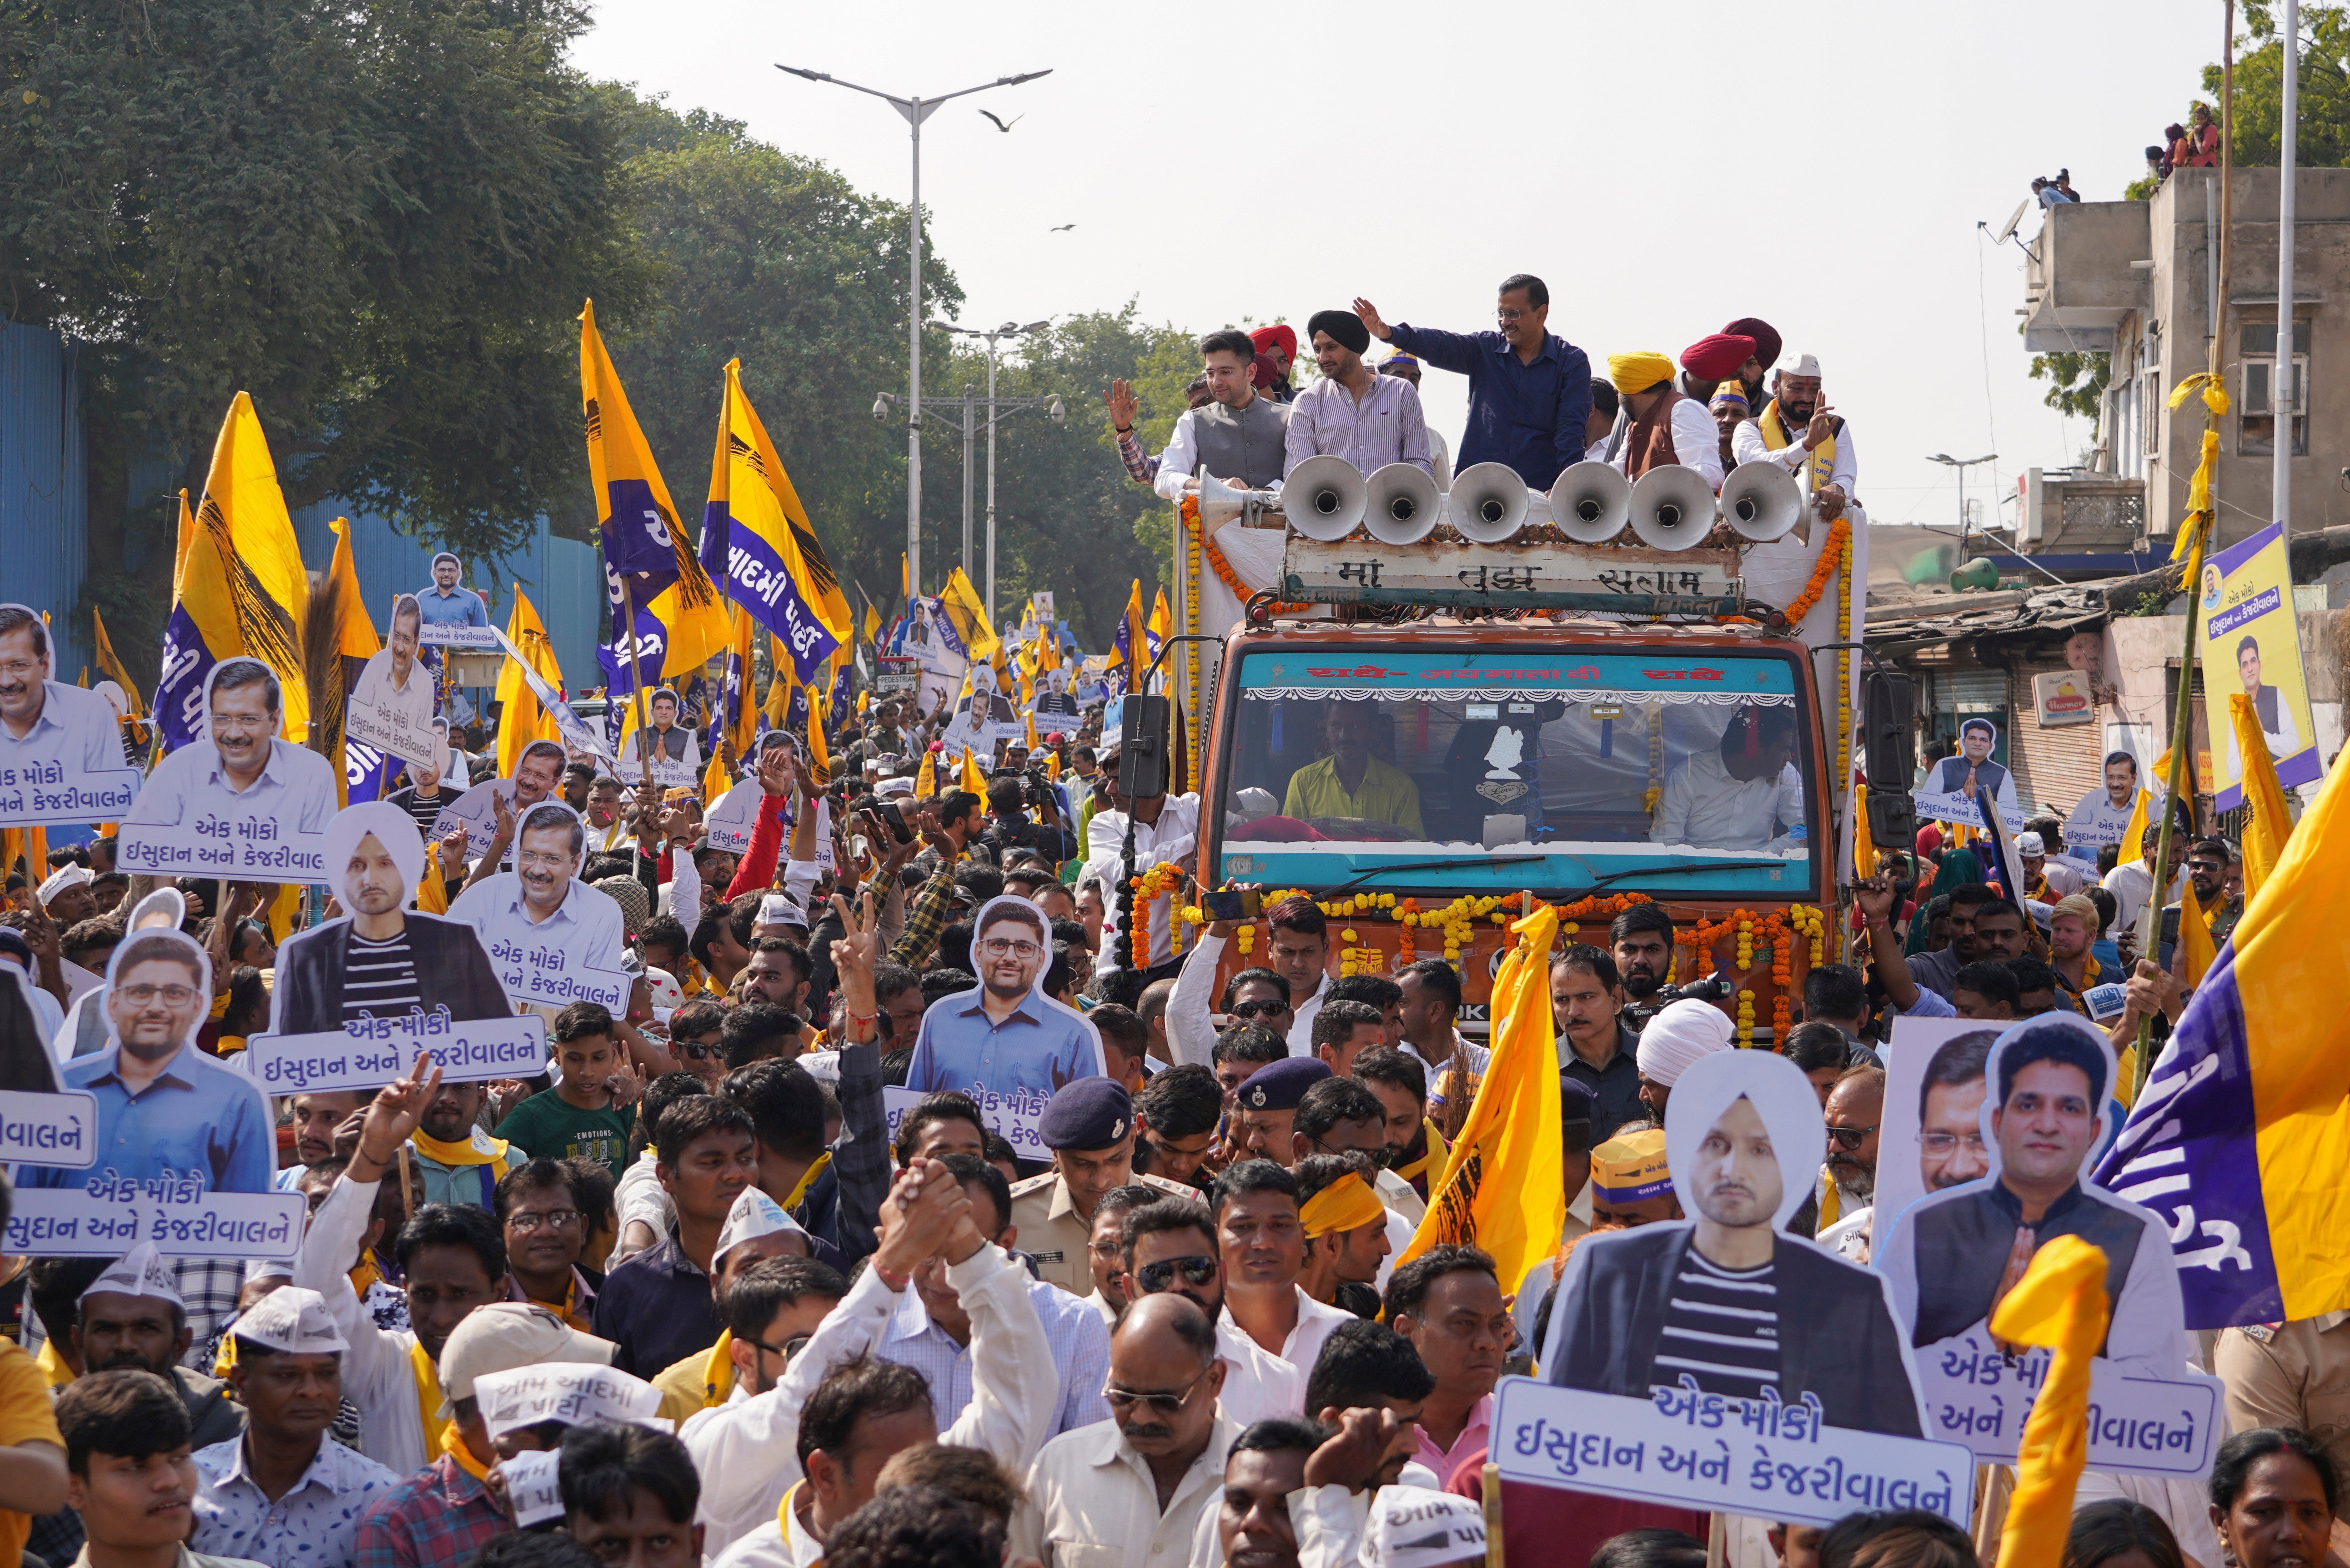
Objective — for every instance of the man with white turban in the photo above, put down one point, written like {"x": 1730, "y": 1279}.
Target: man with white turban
{"x": 1726, "y": 1302}
{"x": 383, "y": 958}
{"x": 1674, "y": 1039}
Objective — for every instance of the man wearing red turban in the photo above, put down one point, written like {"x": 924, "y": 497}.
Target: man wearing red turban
{"x": 1276, "y": 350}
{"x": 1707, "y": 363}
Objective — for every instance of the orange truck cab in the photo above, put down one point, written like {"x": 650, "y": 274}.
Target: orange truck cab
{"x": 1418, "y": 780}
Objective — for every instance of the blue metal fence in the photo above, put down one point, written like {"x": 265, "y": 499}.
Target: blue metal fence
{"x": 44, "y": 487}
{"x": 45, "y": 524}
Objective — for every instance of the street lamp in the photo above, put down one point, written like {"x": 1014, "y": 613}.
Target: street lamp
{"x": 1962, "y": 464}
{"x": 997, "y": 408}
{"x": 1054, "y": 412}
{"x": 915, "y": 110}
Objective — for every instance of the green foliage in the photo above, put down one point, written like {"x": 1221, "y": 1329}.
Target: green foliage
{"x": 2322, "y": 91}
{"x": 378, "y": 220}
{"x": 2079, "y": 382}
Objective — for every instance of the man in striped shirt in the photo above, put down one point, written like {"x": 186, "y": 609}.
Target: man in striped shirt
{"x": 1726, "y": 1303}
{"x": 384, "y": 958}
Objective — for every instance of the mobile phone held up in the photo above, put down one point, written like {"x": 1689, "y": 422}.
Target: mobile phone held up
{"x": 1234, "y": 905}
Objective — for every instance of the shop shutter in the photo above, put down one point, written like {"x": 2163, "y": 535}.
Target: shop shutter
{"x": 2053, "y": 767}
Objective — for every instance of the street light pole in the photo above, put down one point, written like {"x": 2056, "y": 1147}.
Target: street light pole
{"x": 1962, "y": 464}
{"x": 968, "y": 416}
{"x": 915, "y": 110}
{"x": 1008, "y": 330}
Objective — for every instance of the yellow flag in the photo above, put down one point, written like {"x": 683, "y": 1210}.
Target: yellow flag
{"x": 756, "y": 537}
{"x": 1162, "y": 621}
{"x": 2268, "y": 821}
{"x": 744, "y": 730}
{"x": 872, "y": 624}
{"x": 2194, "y": 935}
{"x": 639, "y": 526}
{"x": 926, "y": 782}
{"x": 905, "y": 578}
{"x": 2059, "y": 1304}
{"x": 111, "y": 667}
{"x": 778, "y": 705}
{"x": 968, "y": 614}
{"x": 525, "y": 720}
{"x": 1864, "y": 847}
{"x": 1031, "y": 717}
{"x": 819, "y": 754}
{"x": 971, "y": 779}
{"x": 2132, "y": 848}
{"x": 432, "y": 892}
{"x": 338, "y": 615}
{"x": 1504, "y": 1182}
{"x": 241, "y": 588}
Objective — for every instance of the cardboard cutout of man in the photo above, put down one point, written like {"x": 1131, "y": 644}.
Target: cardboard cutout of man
{"x": 165, "y": 1108}
{"x": 2103, "y": 815}
{"x": 1972, "y": 766}
{"x": 43, "y": 720}
{"x": 663, "y": 739}
{"x": 240, "y": 764}
{"x": 391, "y": 703}
{"x": 542, "y": 903}
{"x": 2049, "y": 1082}
{"x": 446, "y": 603}
{"x": 2269, "y": 706}
{"x": 537, "y": 772}
{"x": 381, "y": 959}
{"x": 1727, "y": 1302}
{"x": 1007, "y": 1036}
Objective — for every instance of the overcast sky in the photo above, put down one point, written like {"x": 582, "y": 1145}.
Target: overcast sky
{"x": 1665, "y": 169}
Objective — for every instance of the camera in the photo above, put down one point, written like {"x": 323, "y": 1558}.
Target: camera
{"x": 1707, "y": 990}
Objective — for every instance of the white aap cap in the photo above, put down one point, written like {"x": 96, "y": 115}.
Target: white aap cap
{"x": 2030, "y": 843}
{"x": 666, "y": 992}
{"x": 293, "y": 1320}
{"x": 754, "y": 1215}
{"x": 63, "y": 878}
{"x": 1802, "y": 365}
{"x": 782, "y": 909}
{"x": 1412, "y": 1527}
{"x": 140, "y": 1271}
{"x": 533, "y": 1486}
{"x": 572, "y": 1393}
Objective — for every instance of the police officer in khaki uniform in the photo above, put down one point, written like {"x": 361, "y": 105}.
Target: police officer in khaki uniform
{"x": 1089, "y": 1127}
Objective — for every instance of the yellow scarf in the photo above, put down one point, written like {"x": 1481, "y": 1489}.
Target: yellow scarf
{"x": 228, "y": 1044}
{"x": 1831, "y": 1200}
{"x": 365, "y": 1276}
{"x": 718, "y": 1372}
{"x": 567, "y": 1309}
{"x": 1431, "y": 1159}
{"x": 437, "y": 1431}
{"x": 453, "y": 1443}
{"x": 1822, "y": 461}
{"x": 807, "y": 1179}
{"x": 461, "y": 1153}
{"x": 787, "y": 1523}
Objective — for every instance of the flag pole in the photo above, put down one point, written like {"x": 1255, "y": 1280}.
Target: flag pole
{"x": 636, "y": 677}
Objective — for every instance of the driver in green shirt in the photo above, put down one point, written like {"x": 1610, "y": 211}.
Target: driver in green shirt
{"x": 1351, "y": 782}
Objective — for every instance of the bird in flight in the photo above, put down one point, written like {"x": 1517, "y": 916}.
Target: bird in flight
{"x": 1063, "y": 228}
{"x": 999, "y": 124}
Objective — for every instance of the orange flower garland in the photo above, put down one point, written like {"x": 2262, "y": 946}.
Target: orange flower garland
{"x": 1831, "y": 560}
{"x": 1189, "y": 512}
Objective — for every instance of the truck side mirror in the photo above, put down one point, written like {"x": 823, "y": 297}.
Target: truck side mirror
{"x": 1888, "y": 726}
{"x": 1142, "y": 750}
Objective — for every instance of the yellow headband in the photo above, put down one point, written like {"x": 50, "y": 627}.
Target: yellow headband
{"x": 1347, "y": 1204}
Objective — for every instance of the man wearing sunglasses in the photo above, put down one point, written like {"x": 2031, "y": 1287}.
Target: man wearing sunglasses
{"x": 1089, "y": 1129}
{"x": 694, "y": 1038}
{"x": 1005, "y": 1035}
{"x": 1340, "y": 1115}
{"x": 1138, "y": 1482}
{"x": 1169, "y": 1247}
{"x": 1847, "y": 1186}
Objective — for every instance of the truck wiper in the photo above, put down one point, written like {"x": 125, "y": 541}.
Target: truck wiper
{"x": 1687, "y": 868}
{"x": 1362, "y": 876}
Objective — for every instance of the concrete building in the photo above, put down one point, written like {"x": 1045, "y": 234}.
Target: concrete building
{"x": 2137, "y": 280}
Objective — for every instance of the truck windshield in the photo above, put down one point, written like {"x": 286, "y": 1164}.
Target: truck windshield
{"x": 1542, "y": 768}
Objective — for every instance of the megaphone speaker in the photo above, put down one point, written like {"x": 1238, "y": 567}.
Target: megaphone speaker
{"x": 1761, "y": 501}
{"x": 1404, "y": 505}
{"x": 1672, "y": 507}
{"x": 1323, "y": 497}
{"x": 1590, "y": 503}
{"x": 1487, "y": 502}
{"x": 1218, "y": 501}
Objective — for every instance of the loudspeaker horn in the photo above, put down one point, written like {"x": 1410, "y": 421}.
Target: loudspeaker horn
{"x": 1591, "y": 502}
{"x": 1487, "y": 502}
{"x": 1324, "y": 497}
{"x": 1672, "y": 507}
{"x": 1219, "y": 502}
{"x": 1761, "y": 501}
{"x": 1404, "y": 505}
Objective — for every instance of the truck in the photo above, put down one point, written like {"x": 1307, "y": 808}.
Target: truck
{"x": 1421, "y": 735}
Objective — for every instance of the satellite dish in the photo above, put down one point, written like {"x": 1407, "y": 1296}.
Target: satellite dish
{"x": 2014, "y": 218}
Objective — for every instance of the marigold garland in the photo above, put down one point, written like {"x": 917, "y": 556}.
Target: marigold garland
{"x": 1189, "y": 512}
{"x": 1839, "y": 534}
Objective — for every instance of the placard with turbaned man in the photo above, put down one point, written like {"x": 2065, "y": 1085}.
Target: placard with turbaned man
{"x": 392, "y": 703}
{"x": 1720, "y": 1362}
{"x": 1984, "y": 1156}
{"x": 239, "y": 801}
{"x": 181, "y": 1148}
{"x": 61, "y": 747}
{"x": 358, "y": 997}
{"x": 553, "y": 939}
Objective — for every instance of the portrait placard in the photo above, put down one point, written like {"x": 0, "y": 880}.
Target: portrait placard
{"x": 552, "y": 939}
{"x": 390, "y": 705}
{"x": 60, "y": 746}
{"x": 1979, "y": 1396}
{"x": 239, "y": 801}
{"x": 1006, "y": 1036}
{"x": 114, "y": 1214}
{"x": 1015, "y": 1117}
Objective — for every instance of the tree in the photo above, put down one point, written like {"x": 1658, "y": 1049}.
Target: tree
{"x": 2323, "y": 86}
{"x": 378, "y": 219}
{"x": 2079, "y": 379}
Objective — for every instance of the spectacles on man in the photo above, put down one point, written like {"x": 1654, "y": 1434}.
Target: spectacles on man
{"x": 1168, "y": 1403}
{"x": 1941, "y": 1146}
{"x": 1266, "y": 1009}
{"x": 1380, "y": 1156}
{"x": 1195, "y": 1270}
{"x": 142, "y": 995}
{"x": 555, "y": 1219}
{"x": 699, "y": 1050}
{"x": 788, "y": 1349}
{"x": 1002, "y": 947}
{"x": 1850, "y": 1139}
